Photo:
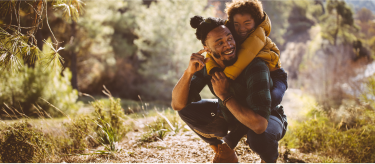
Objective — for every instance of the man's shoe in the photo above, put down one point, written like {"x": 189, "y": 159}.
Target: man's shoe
{"x": 262, "y": 161}
{"x": 224, "y": 154}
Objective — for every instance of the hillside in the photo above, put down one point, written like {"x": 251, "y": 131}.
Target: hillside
{"x": 358, "y": 4}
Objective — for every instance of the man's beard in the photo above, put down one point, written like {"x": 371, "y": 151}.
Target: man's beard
{"x": 225, "y": 62}
{"x": 230, "y": 62}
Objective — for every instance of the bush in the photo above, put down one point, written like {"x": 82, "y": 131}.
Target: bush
{"x": 23, "y": 143}
{"x": 26, "y": 89}
{"x": 166, "y": 124}
{"x": 109, "y": 120}
{"x": 353, "y": 137}
{"x": 79, "y": 131}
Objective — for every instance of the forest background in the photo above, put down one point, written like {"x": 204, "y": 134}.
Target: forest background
{"x": 56, "y": 54}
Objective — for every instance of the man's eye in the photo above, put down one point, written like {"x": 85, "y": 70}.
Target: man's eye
{"x": 221, "y": 43}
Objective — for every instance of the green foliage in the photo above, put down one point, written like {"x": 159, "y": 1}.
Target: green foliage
{"x": 298, "y": 18}
{"x": 109, "y": 121}
{"x": 167, "y": 123}
{"x": 351, "y": 137}
{"x": 278, "y": 12}
{"x": 21, "y": 142}
{"x": 368, "y": 96}
{"x": 18, "y": 45}
{"x": 165, "y": 42}
{"x": 27, "y": 90}
{"x": 338, "y": 23}
{"x": 104, "y": 40}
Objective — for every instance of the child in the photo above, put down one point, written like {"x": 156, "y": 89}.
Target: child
{"x": 251, "y": 28}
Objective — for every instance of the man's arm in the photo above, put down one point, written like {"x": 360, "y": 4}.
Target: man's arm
{"x": 180, "y": 93}
{"x": 245, "y": 115}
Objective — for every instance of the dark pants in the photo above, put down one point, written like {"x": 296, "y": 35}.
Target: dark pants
{"x": 207, "y": 122}
{"x": 280, "y": 84}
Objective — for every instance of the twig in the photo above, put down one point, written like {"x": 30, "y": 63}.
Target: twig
{"x": 55, "y": 108}
{"x": 57, "y": 42}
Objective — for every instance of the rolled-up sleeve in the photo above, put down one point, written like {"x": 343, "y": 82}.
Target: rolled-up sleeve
{"x": 198, "y": 82}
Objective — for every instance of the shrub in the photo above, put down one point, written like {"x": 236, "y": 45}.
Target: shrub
{"x": 109, "y": 120}
{"x": 353, "y": 137}
{"x": 23, "y": 143}
{"x": 79, "y": 132}
{"x": 25, "y": 89}
{"x": 166, "y": 123}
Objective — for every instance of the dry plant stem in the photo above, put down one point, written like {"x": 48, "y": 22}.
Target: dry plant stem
{"x": 56, "y": 108}
{"x": 11, "y": 110}
{"x": 166, "y": 119}
{"x": 108, "y": 93}
{"x": 57, "y": 42}
{"x": 85, "y": 94}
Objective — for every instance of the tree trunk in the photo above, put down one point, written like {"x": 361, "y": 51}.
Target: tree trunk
{"x": 73, "y": 64}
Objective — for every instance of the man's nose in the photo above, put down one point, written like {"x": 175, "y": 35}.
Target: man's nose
{"x": 228, "y": 44}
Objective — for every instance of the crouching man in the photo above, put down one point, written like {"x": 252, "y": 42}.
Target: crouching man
{"x": 243, "y": 105}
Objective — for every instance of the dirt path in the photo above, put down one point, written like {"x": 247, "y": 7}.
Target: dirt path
{"x": 186, "y": 146}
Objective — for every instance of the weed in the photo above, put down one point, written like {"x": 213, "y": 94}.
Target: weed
{"x": 165, "y": 124}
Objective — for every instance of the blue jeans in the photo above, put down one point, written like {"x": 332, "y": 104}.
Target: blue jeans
{"x": 280, "y": 84}
{"x": 205, "y": 119}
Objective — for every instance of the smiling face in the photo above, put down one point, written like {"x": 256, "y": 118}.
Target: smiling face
{"x": 221, "y": 44}
{"x": 243, "y": 24}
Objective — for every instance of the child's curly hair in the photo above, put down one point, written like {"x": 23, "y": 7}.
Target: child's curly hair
{"x": 252, "y": 7}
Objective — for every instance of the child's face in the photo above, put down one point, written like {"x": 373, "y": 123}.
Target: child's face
{"x": 243, "y": 24}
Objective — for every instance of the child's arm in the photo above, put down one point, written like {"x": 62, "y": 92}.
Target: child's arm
{"x": 249, "y": 49}
{"x": 271, "y": 54}
{"x": 211, "y": 65}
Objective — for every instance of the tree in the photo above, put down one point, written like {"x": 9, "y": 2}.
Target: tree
{"x": 365, "y": 15}
{"x": 166, "y": 40}
{"x": 18, "y": 44}
{"x": 338, "y": 19}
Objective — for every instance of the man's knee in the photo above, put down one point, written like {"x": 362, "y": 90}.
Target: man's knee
{"x": 262, "y": 144}
{"x": 198, "y": 112}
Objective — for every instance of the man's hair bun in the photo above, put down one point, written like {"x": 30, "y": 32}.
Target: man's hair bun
{"x": 204, "y": 26}
{"x": 196, "y": 21}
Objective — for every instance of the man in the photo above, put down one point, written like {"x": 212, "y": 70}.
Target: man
{"x": 243, "y": 105}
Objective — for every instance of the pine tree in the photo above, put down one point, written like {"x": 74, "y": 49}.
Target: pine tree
{"x": 18, "y": 44}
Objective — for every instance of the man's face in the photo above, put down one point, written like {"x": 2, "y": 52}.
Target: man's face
{"x": 221, "y": 44}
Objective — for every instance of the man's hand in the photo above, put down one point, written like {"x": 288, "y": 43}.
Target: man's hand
{"x": 197, "y": 62}
{"x": 220, "y": 85}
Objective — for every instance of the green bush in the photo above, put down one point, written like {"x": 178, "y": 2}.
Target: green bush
{"x": 26, "y": 89}
{"x": 109, "y": 120}
{"x": 167, "y": 123}
{"x": 353, "y": 137}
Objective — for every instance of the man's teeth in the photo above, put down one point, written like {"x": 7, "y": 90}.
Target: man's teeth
{"x": 229, "y": 52}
